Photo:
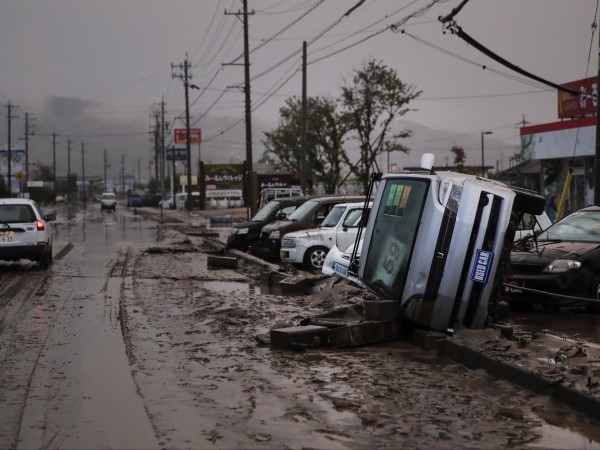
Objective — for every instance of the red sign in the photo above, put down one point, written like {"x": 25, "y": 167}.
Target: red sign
{"x": 581, "y": 105}
{"x": 195, "y": 135}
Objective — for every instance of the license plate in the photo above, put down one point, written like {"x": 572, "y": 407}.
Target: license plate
{"x": 341, "y": 270}
{"x": 6, "y": 236}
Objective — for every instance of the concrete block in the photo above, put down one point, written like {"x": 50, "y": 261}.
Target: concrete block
{"x": 294, "y": 285}
{"x": 381, "y": 310}
{"x": 222, "y": 261}
{"x": 429, "y": 339}
{"x": 294, "y": 338}
{"x": 364, "y": 333}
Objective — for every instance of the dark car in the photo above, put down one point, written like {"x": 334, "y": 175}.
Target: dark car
{"x": 134, "y": 200}
{"x": 244, "y": 234}
{"x": 309, "y": 215}
{"x": 564, "y": 259}
{"x": 151, "y": 200}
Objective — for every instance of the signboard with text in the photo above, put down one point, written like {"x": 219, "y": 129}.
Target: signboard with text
{"x": 180, "y": 154}
{"x": 195, "y": 135}
{"x": 581, "y": 105}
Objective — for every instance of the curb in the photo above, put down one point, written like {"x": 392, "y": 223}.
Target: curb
{"x": 528, "y": 379}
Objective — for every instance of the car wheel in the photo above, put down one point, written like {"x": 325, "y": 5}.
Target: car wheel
{"x": 314, "y": 258}
{"x": 595, "y": 294}
{"x": 46, "y": 259}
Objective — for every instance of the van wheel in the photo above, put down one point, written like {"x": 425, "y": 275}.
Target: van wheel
{"x": 314, "y": 257}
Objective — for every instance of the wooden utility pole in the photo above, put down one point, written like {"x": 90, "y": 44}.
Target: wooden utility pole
{"x": 54, "y": 161}
{"x": 249, "y": 197}
{"x": 9, "y": 145}
{"x": 186, "y": 76}
{"x": 304, "y": 124}
{"x": 83, "y": 173}
{"x": 69, "y": 169}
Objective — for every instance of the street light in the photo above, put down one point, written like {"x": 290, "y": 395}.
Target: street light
{"x": 482, "y": 152}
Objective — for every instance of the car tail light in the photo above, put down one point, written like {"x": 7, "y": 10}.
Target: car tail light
{"x": 40, "y": 225}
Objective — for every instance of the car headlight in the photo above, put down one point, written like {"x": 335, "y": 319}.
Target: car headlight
{"x": 241, "y": 231}
{"x": 561, "y": 265}
{"x": 275, "y": 234}
{"x": 288, "y": 242}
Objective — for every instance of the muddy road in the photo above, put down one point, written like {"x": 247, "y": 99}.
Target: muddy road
{"x": 130, "y": 341}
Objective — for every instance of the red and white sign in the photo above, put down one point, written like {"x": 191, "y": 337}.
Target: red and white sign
{"x": 195, "y": 135}
{"x": 583, "y": 104}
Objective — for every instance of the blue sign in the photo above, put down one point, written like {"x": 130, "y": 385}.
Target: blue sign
{"x": 482, "y": 266}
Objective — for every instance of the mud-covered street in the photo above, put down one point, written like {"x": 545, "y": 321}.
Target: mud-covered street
{"x": 131, "y": 341}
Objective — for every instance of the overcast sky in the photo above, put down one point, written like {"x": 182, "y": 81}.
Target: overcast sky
{"x": 92, "y": 70}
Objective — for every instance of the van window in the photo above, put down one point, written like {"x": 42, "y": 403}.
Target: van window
{"x": 334, "y": 216}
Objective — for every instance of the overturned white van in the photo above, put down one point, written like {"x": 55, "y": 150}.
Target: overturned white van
{"x": 437, "y": 241}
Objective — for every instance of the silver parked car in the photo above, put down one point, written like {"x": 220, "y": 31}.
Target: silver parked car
{"x": 25, "y": 231}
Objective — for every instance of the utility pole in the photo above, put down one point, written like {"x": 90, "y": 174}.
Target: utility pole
{"x": 9, "y": 144}
{"x": 69, "y": 169}
{"x": 105, "y": 189}
{"x": 83, "y": 172}
{"x": 54, "y": 161}
{"x": 162, "y": 146}
{"x": 186, "y": 76}
{"x": 28, "y": 131}
{"x": 304, "y": 124}
{"x": 122, "y": 173}
{"x": 248, "y": 111}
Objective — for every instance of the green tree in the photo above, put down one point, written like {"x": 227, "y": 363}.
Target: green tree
{"x": 370, "y": 103}
{"x": 324, "y": 140}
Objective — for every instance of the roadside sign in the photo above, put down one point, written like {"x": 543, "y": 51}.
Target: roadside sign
{"x": 195, "y": 135}
{"x": 20, "y": 176}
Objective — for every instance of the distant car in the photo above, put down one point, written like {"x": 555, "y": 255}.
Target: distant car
{"x": 168, "y": 202}
{"x": 564, "y": 260}
{"x": 134, "y": 200}
{"x": 244, "y": 234}
{"x": 108, "y": 201}
{"x": 151, "y": 200}
{"x": 60, "y": 198}
{"x": 25, "y": 231}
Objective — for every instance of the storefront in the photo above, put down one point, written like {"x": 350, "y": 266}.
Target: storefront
{"x": 566, "y": 145}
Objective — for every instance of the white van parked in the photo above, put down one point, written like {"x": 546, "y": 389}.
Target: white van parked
{"x": 309, "y": 247}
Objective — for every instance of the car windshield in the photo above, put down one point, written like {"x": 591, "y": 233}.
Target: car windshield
{"x": 303, "y": 210}
{"x": 266, "y": 211}
{"x": 393, "y": 236}
{"x": 333, "y": 217}
{"x": 108, "y": 196}
{"x": 579, "y": 226}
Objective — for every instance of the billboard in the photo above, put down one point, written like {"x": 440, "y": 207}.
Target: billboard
{"x": 583, "y": 104}
{"x": 195, "y": 135}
